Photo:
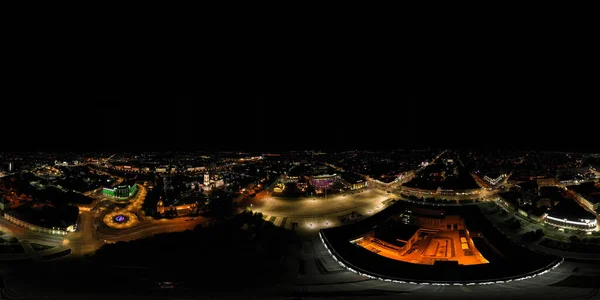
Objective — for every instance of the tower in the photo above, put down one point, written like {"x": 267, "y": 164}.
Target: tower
{"x": 206, "y": 179}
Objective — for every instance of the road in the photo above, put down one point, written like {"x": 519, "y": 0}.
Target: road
{"x": 320, "y": 276}
{"x": 88, "y": 238}
{"x": 152, "y": 227}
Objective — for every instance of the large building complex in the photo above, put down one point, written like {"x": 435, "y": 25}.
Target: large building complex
{"x": 569, "y": 214}
{"x": 423, "y": 236}
{"x": 588, "y": 195}
{"x": 494, "y": 179}
{"x": 120, "y": 191}
{"x": 325, "y": 181}
{"x": 182, "y": 206}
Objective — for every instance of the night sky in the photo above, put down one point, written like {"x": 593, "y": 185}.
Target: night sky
{"x": 500, "y": 99}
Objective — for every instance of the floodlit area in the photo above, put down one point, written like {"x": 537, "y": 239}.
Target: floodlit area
{"x": 126, "y": 218}
{"x": 120, "y": 219}
{"x": 313, "y": 213}
{"x": 430, "y": 246}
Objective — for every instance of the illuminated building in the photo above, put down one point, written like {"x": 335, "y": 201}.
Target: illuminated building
{"x": 581, "y": 224}
{"x": 325, "y": 181}
{"x": 4, "y": 204}
{"x": 353, "y": 181}
{"x": 547, "y": 182}
{"x": 219, "y": 183}
{"x": 120, "y": 191}
{"x": 595, "y": 169}
{"x": 279, "y": 188}
{"x": 206, "y": 179}
{"x": 434, "y": 219}
{"x": 358, "y": 185}
{"x": 569, "y": 214}
{"x": 289, "y": 178}
{"x": 182, "y": 206}
{"x": 587, "y": 194}
{"x": 494, "y": 179}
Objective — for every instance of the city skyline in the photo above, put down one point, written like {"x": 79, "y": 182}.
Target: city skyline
{"x": 428, "y": 223}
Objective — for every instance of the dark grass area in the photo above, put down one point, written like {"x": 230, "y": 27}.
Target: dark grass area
{"x": 57, "y": 254}
{"x": 579, "y": 281}
{"x": 11, "y": 249}
{"x": 40, "y": 247}
{"x": 571, "y": 246}
{"x": 245, "y": 249}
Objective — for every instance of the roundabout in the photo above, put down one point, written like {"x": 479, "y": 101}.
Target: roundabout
{"x": 120, "y": 219}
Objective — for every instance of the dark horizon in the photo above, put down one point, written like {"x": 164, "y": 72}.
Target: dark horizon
{"x": 249, "y": 128}
{"x": 548, "y": 114}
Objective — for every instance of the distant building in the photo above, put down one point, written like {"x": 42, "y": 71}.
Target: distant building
{"x": 206, "y": 179}
{"x": 353, "y": 181}
{"x": 325, "y": 181}
{"x": 494, "y": 179}
{"x": 219, "y": 183}
{"x": 569, "y": 214}
{"x": 547, "y": 182}
{"x": 434, "y": 219}
{"x": 196, "y": 169}
{"x": 61, "y": 163}
{"x": 358, "y": 184}
{"x": 120, "y": 191}
{"x": 595, "y": 169}
{"x": 289, "y": 178}
{"x": 587, "y": 194}
{"x": 182, "y": 206}
{"x": 4, "y": 204}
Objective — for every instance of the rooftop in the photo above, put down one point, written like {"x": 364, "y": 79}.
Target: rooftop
{"x": 589, "y": 190}
{"x": 571, "y": 210}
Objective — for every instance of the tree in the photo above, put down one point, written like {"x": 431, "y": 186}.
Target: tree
{"x": 539, "y": 233}
{"x": 13, "y": 240}
{"x": 574, "y": 239}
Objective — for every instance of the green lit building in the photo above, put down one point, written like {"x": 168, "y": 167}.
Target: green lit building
{"x": 121, "y": 191}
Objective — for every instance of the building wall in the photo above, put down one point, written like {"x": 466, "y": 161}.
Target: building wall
{"x": 18, "y": 222}
{"x": 591, "y": 225}
{"x": 322, "y": 182}
{"x": 358, "y": 185}
{"x": 455, "y": 222}
{"x": 120, "y": 192}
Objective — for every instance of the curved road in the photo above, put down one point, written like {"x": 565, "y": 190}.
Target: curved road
{"x": 86, "y": 239}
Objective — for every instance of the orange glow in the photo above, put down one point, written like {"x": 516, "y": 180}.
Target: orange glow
{"x": 445, "y": 245}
